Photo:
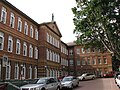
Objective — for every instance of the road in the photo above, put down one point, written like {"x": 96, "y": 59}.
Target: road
{"x": 98, "y": 84}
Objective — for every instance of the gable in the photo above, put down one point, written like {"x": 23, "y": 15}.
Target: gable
{"x": 53, "y": 26}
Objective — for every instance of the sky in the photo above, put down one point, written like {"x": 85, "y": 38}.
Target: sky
{"x": 41, "y": 11}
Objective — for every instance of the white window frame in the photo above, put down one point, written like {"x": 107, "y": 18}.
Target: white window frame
{"x": 23, "y": 71}
{"x": 16, "y": 76}
{"x": 25, "y": 49}
{"x": 30, "y": 72}
{"x": 2, "y": 41}
{"x": 10, "y": 45}
{"x": 36, "y": 53}
{"x": 36, "y": 34}
{"x": 26, "y": 28}
{"x": 35, "y": 71}
{"x": 3, "y": 15}
{"x": 31, "y": 31}
{"x": 19, "y": 28}
{"x": 18, "y": 45}
{"x": 30, "y": 51}
{"x": 12, "y": 20}
{"x": 8, "y": 70}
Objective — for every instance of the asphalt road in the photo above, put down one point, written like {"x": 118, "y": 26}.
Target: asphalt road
{"x": 98, "y": 84}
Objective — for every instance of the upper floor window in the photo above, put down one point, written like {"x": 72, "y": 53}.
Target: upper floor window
{"x": 30, "y": 51}
{"x": 1, "y": 40}
{"x": 19, "y": 24}
{"x": 83, "y": 50}
{"x": 47, "y": 54}
{"x": 31, "y": 31}
{"x": 36, "y": 53}
{"x": 94, "y": 61}
{"x": 18, "y": 46}
{"x": 3, "y": 15}
{"x": 26, "y": 28}
{"x": 71, "y": 63}
{"x": 36, "y": 34}
{"x": 105, "y": 60}
{"x": 78, "y": 62}
{"x": 24, "y": 49}
{"x": 23, "y": 71}
{"x": 12, "y": 20}
{"x": 99, "y": 60}
{"x": 10, "y": 44}
{"x": 71, "y": 52}
{"x": 47, "y": 37}
{"x": 78, "y": 51}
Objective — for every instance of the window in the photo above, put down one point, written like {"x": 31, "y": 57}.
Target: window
{"x": 88, "y": 61}
{"x": 47, "y": 51}
{"x": 23, "y": 72}
{"x": 3, "y": 15}
{"x": 36, "y": 34}
{"x": 78, "y": 51}
{"x": 71, "y": 52}
{"x": 88, "y": 50}
{"x": 8, "y": 70}
{"x": 105, "y": 60}
{"x": 10, "y": 44}
{"x": 31, "y": 31}
{"x": 78, "y": 62}
{"x": 30, "y": 51}
{"x": 71, "y": 63}
{"x": 19, "y": 24}
{"x": 26, "y": 28}
{"x": 12, "y": 20}
{"x": 24, "y": 49}
{"x": 35, "y": 72}
{"x": 18, "y": 46}
{"x": 47, "y": 37}
{"x": 83, "y": 50}
{"x": 16, "y": 71}
{"x": 94, "y": 61}
{"x": 36, "y": 53}
{"x": 1, "y": 40}
{"x": 83, "y": 62}
{"x": 99, "y": 60}
{"x": 30, "y": 72}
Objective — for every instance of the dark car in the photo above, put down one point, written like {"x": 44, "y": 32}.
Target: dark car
{"x": 115, "y": 75}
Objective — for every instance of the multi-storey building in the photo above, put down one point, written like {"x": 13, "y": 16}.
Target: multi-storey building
{"x": 18, "y": 43}
{"x": 30, "y": 50}
{"x": 92, "y": 60}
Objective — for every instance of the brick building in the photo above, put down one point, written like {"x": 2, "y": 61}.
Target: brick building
{"x": 35, "y": 50}
{"x": 91, "y": 60}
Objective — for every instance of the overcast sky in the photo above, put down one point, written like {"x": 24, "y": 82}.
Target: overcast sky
{"x": 41, "y": 11}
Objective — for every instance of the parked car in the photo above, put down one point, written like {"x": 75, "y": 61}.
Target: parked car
{"x": 109, "y": 74}
{"x": 87, "y": 76}
{"x": 116, "y": 75}
{"x": 70, "y": 82}
{"x": 45, "y": 83}
{"x": 117, "y": 79}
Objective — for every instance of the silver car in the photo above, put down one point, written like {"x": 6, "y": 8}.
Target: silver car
{"x": 70, "y": 82}
{"x": 45, "y": 83}
{"x": 87, "y": 76}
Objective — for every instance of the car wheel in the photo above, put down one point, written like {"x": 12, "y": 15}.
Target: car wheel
{"x": 83, "y": 79}
{"x": 77, "y": 84}
{"x": 93, "y": 77}
{"x": 72, "y": 86}
{"x": 43, "y": 89}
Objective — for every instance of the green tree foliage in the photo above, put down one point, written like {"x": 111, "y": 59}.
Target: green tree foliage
{"x": 97, "y": 23}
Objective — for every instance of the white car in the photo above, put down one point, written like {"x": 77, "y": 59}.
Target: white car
{"x": 117, "y": 80}
{"x": 70, "y": 82}
{"x": 45, "y": 83}
{"x": 86, "y": 76}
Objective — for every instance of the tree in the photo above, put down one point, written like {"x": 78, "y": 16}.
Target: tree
{"x": 97, "y": 23}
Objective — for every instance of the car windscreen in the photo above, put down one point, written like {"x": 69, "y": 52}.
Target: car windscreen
{"x": 67, "y": 79}
{"x": 41, "y": 81}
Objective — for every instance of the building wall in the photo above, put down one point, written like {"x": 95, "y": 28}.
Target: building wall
{"x": 7, "y": 30}
{"x": 87, "y": 60}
